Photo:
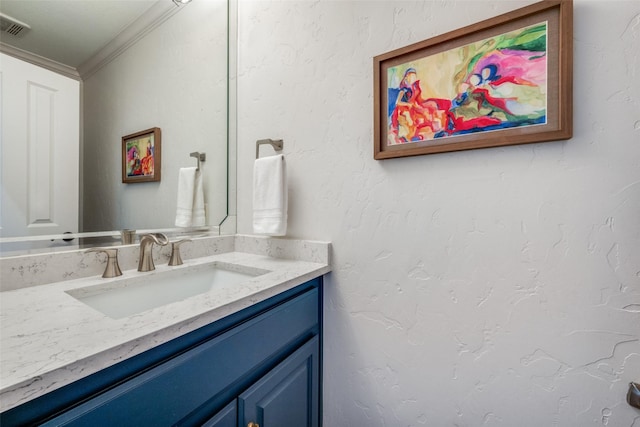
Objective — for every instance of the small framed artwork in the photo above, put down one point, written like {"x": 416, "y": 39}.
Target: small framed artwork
{"x": 503, "y": 81}
{"x": 141, "y": 155}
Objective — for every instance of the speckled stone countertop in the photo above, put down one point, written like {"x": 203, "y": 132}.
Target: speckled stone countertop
{"x": 49, "y": 339}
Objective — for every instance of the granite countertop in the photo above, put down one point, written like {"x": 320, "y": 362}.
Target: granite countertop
{"x": 49, "y": 339}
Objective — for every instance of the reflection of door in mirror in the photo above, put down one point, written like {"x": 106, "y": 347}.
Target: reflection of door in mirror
{"x": 39, "y": 146}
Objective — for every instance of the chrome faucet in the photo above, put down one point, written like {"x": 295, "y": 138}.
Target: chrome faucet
{"x": 146, "y": 244}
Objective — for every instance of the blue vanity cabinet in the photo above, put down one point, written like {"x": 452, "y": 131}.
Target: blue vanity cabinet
{"x": 228, "y": 417}
{"x": 261, "y": 364}
{"x": 288, "y": 396}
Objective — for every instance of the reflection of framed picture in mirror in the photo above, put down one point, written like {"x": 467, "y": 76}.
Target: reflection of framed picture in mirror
{"x": 503, "y": 81}
{"x": 141, "y": 156}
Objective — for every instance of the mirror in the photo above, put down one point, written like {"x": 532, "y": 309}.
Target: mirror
{"x": 173, "y": 74}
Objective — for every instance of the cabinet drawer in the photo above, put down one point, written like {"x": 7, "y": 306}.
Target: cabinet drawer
{"x": 164, "y": 394}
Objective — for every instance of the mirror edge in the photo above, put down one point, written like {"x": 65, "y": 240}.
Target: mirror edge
{"x": 228, "y": 224}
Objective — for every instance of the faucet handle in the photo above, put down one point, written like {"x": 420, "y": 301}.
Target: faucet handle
{"x": 112, "y": 269}
{"x": 176, "y": 259}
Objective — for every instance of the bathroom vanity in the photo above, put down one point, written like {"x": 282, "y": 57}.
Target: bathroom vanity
{"x": 247, "y": 354}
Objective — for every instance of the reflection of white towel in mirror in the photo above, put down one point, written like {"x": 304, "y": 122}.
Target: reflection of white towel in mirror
{"x": 190, "y": 210}
{"x": 270, "y": 196}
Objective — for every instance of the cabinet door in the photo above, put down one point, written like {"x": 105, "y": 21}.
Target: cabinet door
{"x": 288, "y": 396}
{"x": 228, "y": 417}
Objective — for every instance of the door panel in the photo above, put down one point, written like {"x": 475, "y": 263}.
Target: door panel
{"x": 39, "y": 150}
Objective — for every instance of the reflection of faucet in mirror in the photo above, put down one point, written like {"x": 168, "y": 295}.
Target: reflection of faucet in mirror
{"x": 128, "y": 236}
{"x": 146, "y": 245}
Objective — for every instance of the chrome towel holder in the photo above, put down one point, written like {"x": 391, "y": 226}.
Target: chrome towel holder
{"x": 201, "y": 157}
{"x": 277, "y": 145}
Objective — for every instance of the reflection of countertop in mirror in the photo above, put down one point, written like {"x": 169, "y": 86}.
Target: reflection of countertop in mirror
{"x": 32, "y": 245}
{"x": 49, "y": 339}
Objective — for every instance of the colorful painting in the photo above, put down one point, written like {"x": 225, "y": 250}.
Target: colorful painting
{"x": 495, "y": 83}
{"x": 503, "y": 81}
{"x": 141, "y": 156}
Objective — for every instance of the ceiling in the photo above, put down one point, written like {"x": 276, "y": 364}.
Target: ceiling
{"x": 70, "y": 31}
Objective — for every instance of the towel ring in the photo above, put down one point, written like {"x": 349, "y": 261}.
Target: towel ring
{"x": 201, "y": 157}
{"x": 277, "y": 145}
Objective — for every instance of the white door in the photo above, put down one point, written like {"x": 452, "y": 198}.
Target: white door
{"x": 39, "y": 150}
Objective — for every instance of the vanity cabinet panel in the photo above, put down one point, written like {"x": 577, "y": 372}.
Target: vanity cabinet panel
{"x": 228, "y": 417}
{"x": 203, "y": 377}
{"x": 288, "y": 395}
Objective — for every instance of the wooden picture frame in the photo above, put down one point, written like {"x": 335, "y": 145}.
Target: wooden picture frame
{"x": 503, "y": 81}
{"x": 141, "y": 156}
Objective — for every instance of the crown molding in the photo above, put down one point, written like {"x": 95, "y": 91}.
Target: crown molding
{"x": 156, "y": 15}
{"x": 40, "y": 61}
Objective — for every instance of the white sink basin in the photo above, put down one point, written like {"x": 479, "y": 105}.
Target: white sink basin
{"x": 124, "y": 297}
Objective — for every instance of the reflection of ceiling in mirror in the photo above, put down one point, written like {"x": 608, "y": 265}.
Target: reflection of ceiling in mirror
{"x": 70, "y": 31}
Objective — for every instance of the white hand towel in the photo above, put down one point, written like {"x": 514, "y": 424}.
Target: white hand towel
{"x": 198, "y": 216}
{"x": 190, "y": 210}
{"x": 270, "y": 196}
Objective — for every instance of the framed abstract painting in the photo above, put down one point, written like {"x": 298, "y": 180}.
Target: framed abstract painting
{"x": 503, "y": 81}
{"x": 141, "y": 156}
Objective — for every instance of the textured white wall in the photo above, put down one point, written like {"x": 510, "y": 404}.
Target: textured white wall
{"x": 174, "y": 78}
{"x": 489, "y": 287}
